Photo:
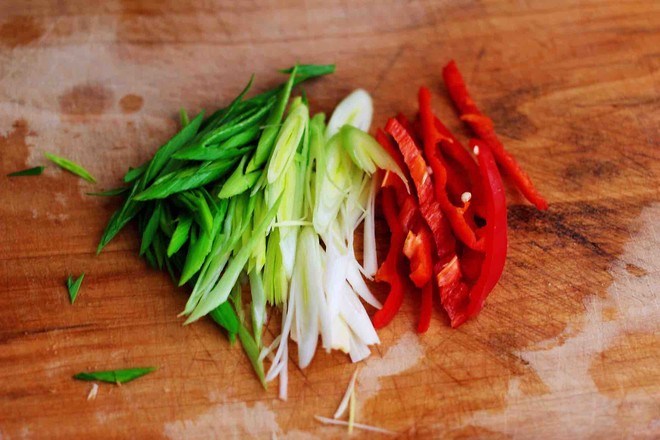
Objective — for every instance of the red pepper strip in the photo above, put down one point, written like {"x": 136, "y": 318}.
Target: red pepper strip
{"x": 389, "y": 270}
{"x": 455, "y": 300}
{"x": 471, "y": 262}
{"x": 453, "y": 292}
{"x": 457, "y": 182}
{"x": 418, "y": 249}
{"x": 384, "y": 140}
{"x": 455, "y": 215}
{"x": 454, "y": 149}
{"x": 410, "y": 128}
{"x": 426, "y": 308}
{"x": 428, "y": 205}
{"x": 496, "y": 229}
{"x": 409, "y": 213}
{"x": 483, "y": 127}
{"x": 450, "y": 274}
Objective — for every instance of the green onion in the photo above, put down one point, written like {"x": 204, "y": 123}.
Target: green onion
{"x": 252, "y": 350}
{"x": 114, "y": 376}
{"x": 110, "y": 193}
{"x": 220, "y": 292}
{"x": 183, "y": 115}
{"x": 225, "y": 317}
{"x": 185, "y": 179}
{"x": 256, "y": 195}
{"x": 180, "y": 235}
{"x": 70, "y": 167}
{"x": 269, "y": 135}
{"x": 131, "y": 208}
{"x": 366, "y": 152}
{"x": 133, "y": 173}
{"x": 74, "y": 286}
{"x": 151, "y": 228}
{"x": 35, "y": 171}
{"x": 239, "y": 182}
{"x": 164, "y": 153}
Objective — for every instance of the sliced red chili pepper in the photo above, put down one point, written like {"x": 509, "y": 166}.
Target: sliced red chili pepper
{"x": 496, "y": 229}
{"x": 460, "y": 302}
{"x": 428, "y": 205}
{"x": 455, "y": 300}
{"x": 426, "y": 308}
{"x": 453, "y": 292}
{"x": 418, "y": 247}
{"x": 471, "y": 262}
{"x": 389, "y": 271}
{"x": 384, "y": 140}
{"x": 483, "y": 127}
{"x": 409, "y": 126}
{"x": 454, "y": 149}
{"x": 409, "y": 213}
{"x": 457, "y": 180}
{"x": 450, "y": 274}
{"x": 455, "y": 215}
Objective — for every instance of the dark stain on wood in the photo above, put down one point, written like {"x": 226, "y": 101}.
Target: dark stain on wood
{"x": 131, "y": 103}
{"x": 635, "y": 270}
{"x": 588, "y": 169}
{"x": 509, "y": 120}
{"x": 528, "y": 218}
{"x": 85, "y": 100}
{"x": 20, "y": 31}
{"x": 10, "y": 335}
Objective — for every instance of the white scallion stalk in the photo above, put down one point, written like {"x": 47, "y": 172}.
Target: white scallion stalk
{"x": 354, "y": 278}
{"x": 355, "y": 110}
{"x": 309, "y": 300}
{"x": 289, "y": 210}
{"x": 351, "y": 412}
{"x": 333, "y": 187}
{"x": 284, "y": 375}
{"x": 370, "y": 257}
{"x": 93, "y": 392}
{"x": 280, "y": 358}
{"x": 267, "y": 352}
{"x": 367, "y": 153}
{"x": 258, "y": 304}
{"x": 329, "y": 421}
{"x": 353, "y": 312}
{"x": 343, "y": 405}
{"x": 285, "y": 178}
{"x": 288, "y": 140}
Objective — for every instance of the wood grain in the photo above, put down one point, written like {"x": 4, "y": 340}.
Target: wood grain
{"x": 567, "y": 346}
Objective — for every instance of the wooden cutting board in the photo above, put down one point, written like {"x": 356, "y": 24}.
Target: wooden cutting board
{"x": 568, "y": 345}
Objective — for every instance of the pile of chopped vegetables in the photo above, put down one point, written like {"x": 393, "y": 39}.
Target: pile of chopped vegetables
{"x": 263, "y": 194}
{"x": 255, "y": 208}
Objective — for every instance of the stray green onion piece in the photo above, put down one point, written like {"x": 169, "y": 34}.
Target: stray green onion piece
{"x": 74, "y": 286}
{"x": 71, "y": 167}
{"x": 114, "y": 376}
{"x": 35, "y": 171}
{"x": 183, "y": 114}
{"x": 109, "y": 193}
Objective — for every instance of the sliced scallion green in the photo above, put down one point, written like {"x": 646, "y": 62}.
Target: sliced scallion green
{"x": 35, "y": 171}
{"x": 71, "y": 167}
{"x": 114, "y": 376}
{"x": 73, "y": 286}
